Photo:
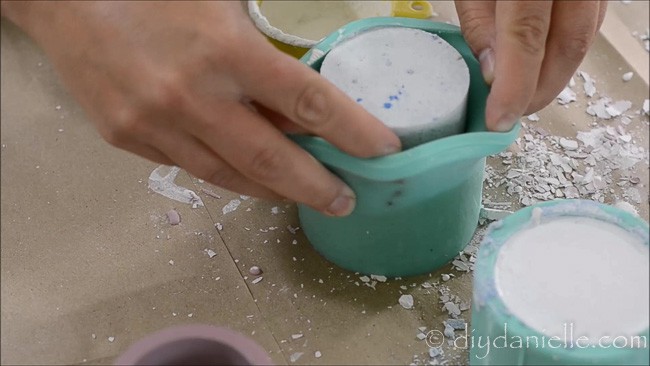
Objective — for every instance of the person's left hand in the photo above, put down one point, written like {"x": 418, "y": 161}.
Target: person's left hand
{"x": 528, "y": 50}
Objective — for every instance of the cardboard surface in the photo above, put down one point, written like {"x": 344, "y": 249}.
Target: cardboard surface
{"x": 86, "y": 248}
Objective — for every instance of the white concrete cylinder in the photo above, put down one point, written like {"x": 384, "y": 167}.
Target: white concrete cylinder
{"x": 413, "y": 81}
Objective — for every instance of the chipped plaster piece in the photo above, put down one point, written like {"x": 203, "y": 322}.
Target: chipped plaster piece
{"x": 589, "y": 87}
{"x": 231, "y": 206}
{"x": 257, "y": 280}
{"x": 566, "y": 96}
{"x": 318, "y": 354}
{"x": 406, "y": 301}
{"x": 568, "y": 144}
{"x": 295, "y": 356}
{"x": 378, "y": 278}
{"x": 626, "y": 207}
{"x": 296, "y": 336}
{"x": 533, "y": 117}
{"x": 111, "y": 339}
{"x": 493, "y": 213}
{"x": 211, "y": 253}
{"x": 627, "y": 76}
{"x": 164, "y": 185}
{"x": 255, "y": 271}
{"x": 173, "y": 217}
{"x": 646, "y": 106}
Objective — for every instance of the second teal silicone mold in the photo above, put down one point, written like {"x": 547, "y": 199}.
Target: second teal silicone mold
{"x": 415, "y": 209}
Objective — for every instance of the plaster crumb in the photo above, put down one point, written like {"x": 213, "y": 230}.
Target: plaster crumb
{"x": 295, "y": 356}
{"x": 173, "y": 217}
{"x": 617, "y": 108}
{"x": 568, "y": 144}
{"x": 255, "y": 271}
{"x": 94, "y": 336}
{"x": 60, "y": 130}
{"x": 231, "y": 206}
{"x": 275, "y": 210}
{"x": 296, "y": 336}
{"x": 364, "y": 279}
{"x": 449, "y": 332}
{"x": 58, "y": 107}
{"x": 421, "y": 336}
{"x": 164, "y": 185}
{"x": 445, "y": 277}
{"x": 257, "y": 280}
{"x": 293, "y": 230}
{"x": 566, "y": 96}
{"x": 435, "y": 352}
{"x": 646, "y": 106}
{"x": 406, "y": 301}
{"x": 626, "y": 207}
{"x": 211, "y": 253}
{"x": 210, "y": 193}
{"x": 171, "y": 262}
{"x": 457, "y": 324}
{"x": 493, "y": 213}
{"x": 294, "y": 242}
{"x": 317, "y": 354}
{"x": 218, "y": 226}
{"x": 627, "y": 76}
{"x": 111, "y": 339}
{"x": 452, "y": 309}
{"x": 378, "y": 278}
{"x": 244, "y": 197}
{"x": 190, "y": 315}
{"x": 589, "y": 87}
{"x": 533, "y": 117}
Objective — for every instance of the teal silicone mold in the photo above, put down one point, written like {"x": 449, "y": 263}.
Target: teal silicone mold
{"x": 489, "y": 313}
{"x": 415, "y": 209}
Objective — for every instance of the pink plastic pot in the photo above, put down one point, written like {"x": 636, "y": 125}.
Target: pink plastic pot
{"x": 195, "y": 345}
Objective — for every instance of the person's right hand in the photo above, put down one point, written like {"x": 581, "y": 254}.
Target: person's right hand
{"x": 173, "y": 81}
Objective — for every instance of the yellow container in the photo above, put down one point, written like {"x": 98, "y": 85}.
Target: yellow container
{"x": 294, "y": 27}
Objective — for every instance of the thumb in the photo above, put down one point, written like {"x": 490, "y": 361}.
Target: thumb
{"x": 477, "y": 25}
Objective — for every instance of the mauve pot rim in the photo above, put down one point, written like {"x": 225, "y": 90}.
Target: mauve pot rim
{"x": 251, "y": 351}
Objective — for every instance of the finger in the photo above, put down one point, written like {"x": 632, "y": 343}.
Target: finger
{"x": 283, "y": 84}
{"x": 281, "y": 122}
{"x": 568, "y": 40}
{"x": 522, "y": 28}
{"x": 477, "y": 25}
{"x": 147, "y": 152}
{"x": 197, "y": 159}
{"x": 602, "y": 11}
{"x": 257, "y": 149}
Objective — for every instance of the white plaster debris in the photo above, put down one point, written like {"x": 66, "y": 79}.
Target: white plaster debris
{"x": 171, "y": 262}
{"x": 296, "y": 336}
{"x": 378, "y": 278}
{"x": 568, "y": 144}
{"x": 617, "y": 108}
{"x": 493, "y": 214}
{"x": 111, "y": 339}
{"x": 533, "y": 117}
{"x": 257, "y": 280}
{"x": 211, "y": 253}
{"x": 295, "y": 356}
{"x": 457, "y": 324}
{"x": 190, "y": 315}
{"x": 566, "y": 96}
{"x": 627, "y": 76}
{"x": 445, "y": 277}
{"x": 364, "y": 279}
{"x": 589, "y": 87}
{"x": 318, "y": 354}
{"x": 646, "y": 106}
{"x": 231, "y": 206}
{"x": 293, "y": 230}
{"x": 406, "y": 301}
{"x": 209, "y": 192}
{"x": 94, "y": 336}
{"x": 275, "y": 210}
{"x": 452, "y": 309}
{"x": 173, "y": 217}
{"x": 163, "y": 184}
{"x": 421, "y": 336}
{"x": 255, "y": 271}
{"x": 218, "y": 226}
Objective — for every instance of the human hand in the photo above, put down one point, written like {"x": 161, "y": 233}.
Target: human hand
{"x": 528, "y": 50}
{"x": 173, "y": 82}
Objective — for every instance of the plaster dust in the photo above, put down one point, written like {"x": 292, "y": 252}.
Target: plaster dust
{"x": 314, "y": 20}
{"x": 576, "y": 270}
{"x": 161, "y": 181}
{"x": 412, "y": 80}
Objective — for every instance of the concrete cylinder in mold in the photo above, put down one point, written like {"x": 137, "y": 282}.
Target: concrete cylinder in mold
{"x": 412, "y": 80}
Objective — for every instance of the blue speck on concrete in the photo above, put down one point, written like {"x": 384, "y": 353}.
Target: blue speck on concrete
{"x": 359, "y": 100}
{"x": 393, "y": 97}
{"x": 388, "y": 105}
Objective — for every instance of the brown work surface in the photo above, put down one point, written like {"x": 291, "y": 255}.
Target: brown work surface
{"x": 86, "y": 248}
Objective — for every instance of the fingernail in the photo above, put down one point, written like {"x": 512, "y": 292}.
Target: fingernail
{"x": 344, "y": 204}
{"x": 506, "y": 122}
{"x": 486, "y": 58}
{"x": 392, "y": 149}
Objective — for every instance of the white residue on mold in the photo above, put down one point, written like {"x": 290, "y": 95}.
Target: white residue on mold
{"x": 627, "y": 76}
{"x": 533, "y": 117}
{"x": 163, "y": 184}
{"x": 231, "y": 206}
